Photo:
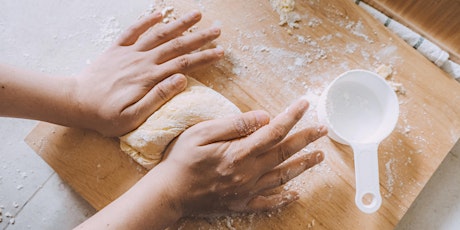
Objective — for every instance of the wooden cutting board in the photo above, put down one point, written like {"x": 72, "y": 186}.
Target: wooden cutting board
{"x": 267, "y": 67}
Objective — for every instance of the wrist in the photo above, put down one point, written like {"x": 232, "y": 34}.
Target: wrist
{"x": 169, "y": 195}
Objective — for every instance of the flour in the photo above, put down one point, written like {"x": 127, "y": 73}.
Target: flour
{"x": 109, "y": 30}
{"x": 390, "y": 177}
{"x": 314, "y": 22}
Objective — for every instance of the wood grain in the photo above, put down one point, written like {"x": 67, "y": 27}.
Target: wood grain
{"x": 439, "y": 21}
{"x": 267, "y": 67}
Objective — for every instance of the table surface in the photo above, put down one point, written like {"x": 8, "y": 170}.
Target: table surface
{"x": 35, "y": 195}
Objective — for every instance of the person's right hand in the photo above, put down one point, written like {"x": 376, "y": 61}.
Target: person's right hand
{"x": 235, "y": 164}
{"x": 218, "y": 167}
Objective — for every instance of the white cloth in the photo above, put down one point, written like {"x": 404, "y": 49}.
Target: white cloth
{"x": 452, "y": 68}
{"x": 424, "y": 46}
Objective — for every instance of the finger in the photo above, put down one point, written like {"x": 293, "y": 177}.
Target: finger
{"x": 273, "y": 133}
{"x": 272, "y": 202}
{"x": 291, "y": 169}
{"x": 183, "y": 45}
{"x": 231, "y": 128}
{"x": 290, "y": 146}
{"x": 189, "y": 62}
{"x": 132, "y": 34}
{"x": 156, "y": 97}
{"x": 168, "y": 32}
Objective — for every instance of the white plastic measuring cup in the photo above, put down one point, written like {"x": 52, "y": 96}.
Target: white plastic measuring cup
{"x": 360, "y": 109}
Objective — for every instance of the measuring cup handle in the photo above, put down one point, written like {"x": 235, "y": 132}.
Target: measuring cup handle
{"x": 367, "y": 197}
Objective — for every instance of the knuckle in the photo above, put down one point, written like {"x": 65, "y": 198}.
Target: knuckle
{"x": 277, "y": 133}
{"x": 161, "y": 35}
{"x": 244, "y": 126}
{"x": 282, "y": 177}
{"x": 177, "y": 44}
{"x": 183, "y": 62}
{"x": 283, "y": 154}
{"x": 132, "y": 30}
{"x": 240, "y": 126}
{"x": 162, "y": 92}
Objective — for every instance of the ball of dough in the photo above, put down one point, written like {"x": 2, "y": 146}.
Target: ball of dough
{"x": 195, "y": 104}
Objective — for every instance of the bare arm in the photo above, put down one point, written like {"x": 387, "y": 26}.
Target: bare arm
{"x": 122, "y": 87}
{"x": 36, "y": 96}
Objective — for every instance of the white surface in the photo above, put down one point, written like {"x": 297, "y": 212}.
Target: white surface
{"x": 61, "y": 37}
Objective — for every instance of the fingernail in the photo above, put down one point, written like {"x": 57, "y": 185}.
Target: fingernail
{"x": 262, "y": 118}
{"x": 215, "y": 31}
{"x": 304, "y": 103}
{"x": 219, "y": 51}
{"x": 322, "y": 130}
{"x": 179, "y": 81}
{"x": 319, "y": 157}
{"x": 195, "y": 14}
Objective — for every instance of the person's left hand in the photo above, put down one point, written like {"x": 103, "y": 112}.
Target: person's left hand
{"x": 139, "y": 73}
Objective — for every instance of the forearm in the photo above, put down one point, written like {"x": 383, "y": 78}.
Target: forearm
{"x": 36, "y": 96}
{"x": 147, "y": 205}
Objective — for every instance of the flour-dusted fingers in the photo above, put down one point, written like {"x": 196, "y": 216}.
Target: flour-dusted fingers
{"x": 183, "y": 45}
{"x": 132, "y": 34}
{"x": 272, "y": 202}
{"x": 289, "y": 170}
{"x": 154, "y": 99}
{"x": 189, "y": 62}
{"x": 230, "y": 128}
{"x": 273, "y": 133}
{"x": 168, "y": 32}
{"x": 291, "y": 145}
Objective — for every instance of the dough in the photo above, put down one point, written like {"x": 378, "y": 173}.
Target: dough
{"x": 195, "y": 104}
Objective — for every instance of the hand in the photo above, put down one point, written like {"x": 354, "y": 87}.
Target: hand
{"x": 234, "y": 165}
{"x": 136, "y": 75}
{"x": 217, "y": 167}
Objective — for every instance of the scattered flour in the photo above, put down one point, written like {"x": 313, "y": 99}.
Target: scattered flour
{"x": 390, "y": 177}
{"x": 109, "y": 30}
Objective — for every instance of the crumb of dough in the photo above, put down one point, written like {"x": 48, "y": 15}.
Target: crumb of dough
{"x": 384, "y": 71}
{"x": 285, "y": 8}
{"x": 397, "y": 87}
{"x": 168, "y": 14}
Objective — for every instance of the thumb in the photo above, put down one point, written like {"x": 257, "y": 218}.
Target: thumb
{"x": 157, "y": 96}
